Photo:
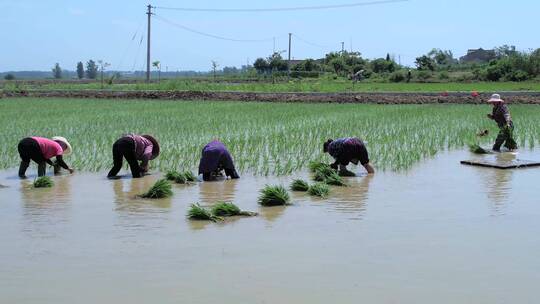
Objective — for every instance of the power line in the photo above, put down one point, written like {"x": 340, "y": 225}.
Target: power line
{"x": 207, "y": 34}
{"x": 279, "y": 9}
{"x": 312, "y": 43}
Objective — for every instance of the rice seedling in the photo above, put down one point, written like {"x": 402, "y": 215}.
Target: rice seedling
{"x": 177, "y": 177}
{"x": 264, "y": 138}
{"x": 189, "y": 176}
{"x": 299, "y": 185}
{"x": 322, "y": 173}
{"x": 273, "y": 196}
{"x": 199, "y": 213}
{"x": 161, "y": 189}
{"x": 335, "y": 180}
{"x": 319, "y": 189}
{"x": 316, "y": 166}
{"x": 43, "y": 182}
{"x": 476, "y": 149}
{"x": 229, "y": 209}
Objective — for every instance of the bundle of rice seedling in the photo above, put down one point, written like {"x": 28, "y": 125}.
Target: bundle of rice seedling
{"x": 474, "y": 148}
{"x": 335, "y": 180}
{"x": 229, "y": 209}
{"x": 299, "y": 185}
{"x": 176, "y": 177}
{"x": 161, "y": 189}
{"x": 199, "y": 213}
{"x": 273, "y": 196}
{"x": 322, "y": 173}
{"x": 190, "y": 177}
{"x": 319, "y": 189}
{"x": 43, "y": 182}
{"x": 314, "y": 166}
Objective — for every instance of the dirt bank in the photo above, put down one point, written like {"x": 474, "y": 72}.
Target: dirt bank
{"x": 361, "y": 97}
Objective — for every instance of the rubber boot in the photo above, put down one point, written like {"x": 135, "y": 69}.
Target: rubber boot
{"x": 22, "y": 169}
{"x": 42, "y": 169}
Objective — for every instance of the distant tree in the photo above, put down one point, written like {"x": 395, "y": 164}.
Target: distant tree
{"x": 80, "y": 70}
{"x": 338, "y": 64}
{"x": 261, "y": 65}
{"x": 382, "y": 65}
{"x": 9, "y": 77}
{"x": 230, "y": 70}
{"x": 214, "y": 68}
{"x": 442, "y": 58}
{"x": 91, "y": 69}
{"x": 387, "y": 56}
{"x": 57, "y": 71}
{"x": 424, "y": 63}
{"x": 505, "y": 51}
{"x": 157, "y": 65}
{"x": 276, "y": 62}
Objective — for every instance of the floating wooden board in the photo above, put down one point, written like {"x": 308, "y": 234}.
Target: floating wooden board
{"x": 502, "y": 163}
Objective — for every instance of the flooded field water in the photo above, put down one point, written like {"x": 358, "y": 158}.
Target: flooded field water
{"x": 438, "y": 233}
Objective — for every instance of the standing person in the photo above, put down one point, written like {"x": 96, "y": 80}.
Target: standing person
{"x": 134, "y": 148}
{"x": 348, "y": 150}
{"x": 41, "y": 150}
{"x": 501, "y": 115}
{"x": 214, "y": 159}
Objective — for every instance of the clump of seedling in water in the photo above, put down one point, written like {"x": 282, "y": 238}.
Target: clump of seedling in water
{"x": 223, "y": 209}
{"x": 316, "y": 166}
{"x": 299, "y": 185}
{"x": 180, "y": 178}
{"x": 273, "y": 196}
{"x": 43, "y": 182}
{"x": 329, "y": 176}
{"x": 319, "y": 189}
{"x": 476, "y": 149}
{"x": 199, "y": 213}
{"x": 190, "y": 177}
{"x": 161, "y": 189}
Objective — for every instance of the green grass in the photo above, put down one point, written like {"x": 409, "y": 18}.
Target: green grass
{"x": 225, "y": 209}
{"x": 43, "y": 182}
{"x": 199, "y": 213}
{"x": 161, "y": 189}
{"x": 306, "y": 85}
{"x": 263, "y": 138}
{"x": 274, "y": 196}
{"x": 319, "y": 189}
{"x": 299, "y": 185}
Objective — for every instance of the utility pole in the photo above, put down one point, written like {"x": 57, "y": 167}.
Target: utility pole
{"x": 149, "y": 13}
{"x": 342, "y": 47}
{"x": 289, "y": 61}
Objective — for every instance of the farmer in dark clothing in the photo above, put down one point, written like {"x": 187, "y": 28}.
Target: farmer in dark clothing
{"x": 502, "y": 117}
{"x": 216, "y": 158}
{"x": 134, "y": 148}
{"x": 41, "y": 150}
{"x": 348, "y": 150}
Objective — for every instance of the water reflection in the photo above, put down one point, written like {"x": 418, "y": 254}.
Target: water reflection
{"x": 352, "y": 199}
{"x": 45, "y": 208}
{"x": 218, "y": 191}
{"x": 128, "y": 200}
{"x": 498, "y": 183}
{"x": 271, "y": 213}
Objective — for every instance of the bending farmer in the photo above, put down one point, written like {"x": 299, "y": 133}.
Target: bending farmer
{"x": 41, "y": 150}
{"x": 348, "y": 150}
{"x": 216, "y": 158}
{"x": 502, "y": 117}
{"x": 134, "y": 148}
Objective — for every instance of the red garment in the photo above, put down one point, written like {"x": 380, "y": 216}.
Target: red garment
{"x": 49, "y": 148}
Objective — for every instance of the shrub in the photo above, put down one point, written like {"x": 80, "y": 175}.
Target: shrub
{"x": 444, "y": 75}
{"x": 397, "y": 76}
{"x": 9, "y": 77}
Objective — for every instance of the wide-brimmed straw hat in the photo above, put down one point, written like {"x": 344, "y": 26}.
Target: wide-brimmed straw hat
{"x": 155, "y": 145}
{"x": 495, "y": 98}
{"x": 68, "y": 149}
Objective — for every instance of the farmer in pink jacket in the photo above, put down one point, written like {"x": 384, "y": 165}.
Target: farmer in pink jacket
{"x": 41, "y": 150}
{"x": 134, "y": 148}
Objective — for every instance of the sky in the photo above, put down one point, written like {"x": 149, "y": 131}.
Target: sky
{"x": 36, "y": 33}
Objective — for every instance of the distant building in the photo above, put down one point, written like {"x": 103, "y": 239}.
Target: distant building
{"x": 478, "y": 56}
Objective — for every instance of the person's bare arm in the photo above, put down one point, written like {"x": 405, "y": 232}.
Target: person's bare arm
{"x": 369, "y": 168}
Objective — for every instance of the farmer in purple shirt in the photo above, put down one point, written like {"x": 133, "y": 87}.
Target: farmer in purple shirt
{"x": 348, "y": 150}
{"x": 134, "y": 148}
{"x": 216, "y": 158}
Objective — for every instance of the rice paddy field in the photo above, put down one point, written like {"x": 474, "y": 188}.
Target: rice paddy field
{"x": 422, "y": 229}
{"x": 264, "y": 138}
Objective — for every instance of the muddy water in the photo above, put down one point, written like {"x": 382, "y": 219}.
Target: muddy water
{"x": 441, "y": 232}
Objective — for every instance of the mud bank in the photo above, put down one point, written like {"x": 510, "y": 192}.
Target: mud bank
{"x": 376, "y": 98}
